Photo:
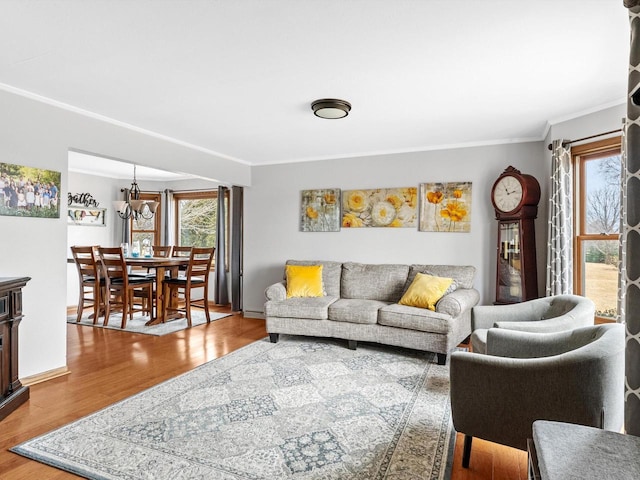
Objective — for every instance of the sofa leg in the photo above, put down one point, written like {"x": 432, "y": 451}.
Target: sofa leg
{"x": 442, "y": 358}
{"x": 273, "y": 337}
{"x": 353, "y": 344}
{"x": 466, "y": 451}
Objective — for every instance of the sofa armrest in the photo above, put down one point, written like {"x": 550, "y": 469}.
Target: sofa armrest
{"x": 486, "y": 316}
{"x": 517, "y": 344}
{"x": 458, "y": 301}
{"x": 277, "y": 291}
{"x": 550, "y": 325}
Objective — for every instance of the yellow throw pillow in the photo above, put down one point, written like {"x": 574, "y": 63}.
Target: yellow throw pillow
{"x": 425, "y": 291}
{"x": 304, "y": 281}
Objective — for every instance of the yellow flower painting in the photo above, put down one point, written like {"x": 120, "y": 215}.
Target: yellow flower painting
{"x": 320, "y": 210}
{"x": 381, "y": 207}
{"x": 445, "y": 207}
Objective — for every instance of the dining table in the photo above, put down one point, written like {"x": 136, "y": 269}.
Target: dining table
{"x": 161, "y": 265}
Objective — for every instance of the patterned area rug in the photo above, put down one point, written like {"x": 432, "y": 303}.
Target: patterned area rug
{"x": 137, "y": 325}
{"x": 303, "y": 408}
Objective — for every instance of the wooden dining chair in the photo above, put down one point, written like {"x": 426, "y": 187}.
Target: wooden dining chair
{"x": 90, "y": 283}
{"x": 120, "y": 286}
{"x": 163, "y": 251}
{"x": 196, "y": 276}
{"x": 180, "y": 251}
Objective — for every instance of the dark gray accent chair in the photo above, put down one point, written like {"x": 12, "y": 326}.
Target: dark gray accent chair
{"x": 542, "y": 315}
{"x": 575, "y": 376}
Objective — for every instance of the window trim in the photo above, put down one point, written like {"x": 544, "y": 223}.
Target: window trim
{"x": 194, "y": 195}
{"x": 157, "y": 230}
{"x": 580, "y": 154}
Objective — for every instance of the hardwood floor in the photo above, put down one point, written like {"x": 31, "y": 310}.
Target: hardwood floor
{"x": 108, "y": 365}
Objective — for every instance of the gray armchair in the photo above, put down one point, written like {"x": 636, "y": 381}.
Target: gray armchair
{"x": 542, "y": 315}
{"x": 575, "y": 376}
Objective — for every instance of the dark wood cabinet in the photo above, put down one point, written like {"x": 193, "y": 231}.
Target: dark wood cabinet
{"x": 12, "y": 392}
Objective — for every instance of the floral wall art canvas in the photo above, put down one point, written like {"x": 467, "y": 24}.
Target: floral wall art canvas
{"x": 320, "y": 210}
{"x": 382, "y": 207}
{"x": 445, "y": 207}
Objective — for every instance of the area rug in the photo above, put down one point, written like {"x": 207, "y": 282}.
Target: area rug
{"x": 303, "y": 408}
{"x": 137, "y": 324}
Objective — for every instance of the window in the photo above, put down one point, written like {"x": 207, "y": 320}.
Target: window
{"x": 196, "y": 217}
{"x": 597, "y": 223}
{"x": 142, "y": 228}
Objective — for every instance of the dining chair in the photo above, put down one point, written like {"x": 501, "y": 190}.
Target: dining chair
{"x": 120, "y": 286}
{"x": 89, "y": 278}
{"x": 162, "y": 250}
{"x": 196, "y": 276}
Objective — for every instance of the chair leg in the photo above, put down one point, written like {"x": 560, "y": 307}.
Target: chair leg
{"x": 187, "y": 305}
{"x": 80, "y": 303}
{"x": 125, "y": 308}
{"x": 206, "y": 303}
{"x": 442, "y": 358}
{"x": 107, "y": 307}
{"x": 466, "y": 451}
{"x": 96, "y": 303}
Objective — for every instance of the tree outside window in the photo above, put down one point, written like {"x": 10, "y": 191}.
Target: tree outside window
{"x": 196, "y": 216}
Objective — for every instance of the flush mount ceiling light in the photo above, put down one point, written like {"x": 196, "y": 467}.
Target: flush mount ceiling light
{"x": 330, "y": 108}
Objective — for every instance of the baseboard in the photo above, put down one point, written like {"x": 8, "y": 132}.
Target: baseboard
{"x": 44, "y": 376}
{"x": 253, "y": 314}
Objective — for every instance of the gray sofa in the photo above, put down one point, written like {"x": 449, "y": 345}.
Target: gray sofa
{"x": 361, "y": 304}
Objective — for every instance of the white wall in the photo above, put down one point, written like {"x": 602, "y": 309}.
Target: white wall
{"x": 271, "y": 229}
{"x": 39, "y": 135}
{"x": 591, "y": 124}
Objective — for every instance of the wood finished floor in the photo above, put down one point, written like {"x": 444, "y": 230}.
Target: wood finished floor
{"x": 108, "y": 365}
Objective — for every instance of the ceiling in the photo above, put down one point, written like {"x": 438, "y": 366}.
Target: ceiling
{"x": 237, "y": 77}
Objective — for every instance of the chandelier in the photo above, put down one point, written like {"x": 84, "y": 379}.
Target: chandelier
{"x": 133, "y": 206}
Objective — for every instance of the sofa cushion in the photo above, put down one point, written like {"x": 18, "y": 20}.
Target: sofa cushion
{"x": 304, "y": 281}
{"x": 316, "y": 308}
{"x": 425, "y": 291}
{"x": 462, "y": 274}
{"x": 373, "y": 282}
{"x": 355, "y": 310}
{"x": 331, "y": 273}
{"x": 413, "y": 318}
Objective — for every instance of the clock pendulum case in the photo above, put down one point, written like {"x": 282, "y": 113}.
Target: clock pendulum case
{"x": 515, "y": 197}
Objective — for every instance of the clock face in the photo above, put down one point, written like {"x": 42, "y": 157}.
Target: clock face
{"x": 507, "y": 193}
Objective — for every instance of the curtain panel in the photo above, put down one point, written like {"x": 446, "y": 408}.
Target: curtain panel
{"x": 560, "y": 229}
{"x": 631, "y": 230}
{"x": 221, "y": 296}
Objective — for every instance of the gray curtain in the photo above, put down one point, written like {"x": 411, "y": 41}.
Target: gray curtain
{"x": 126, "y": 222}
{"x": 560, "y": 229}
{"x": 235, "y": 268}
{"x": 169, "y": 221}
{"x": 631, "y": 230}
{"x": 622, "y": 247}
{"x": 221, "y": 296}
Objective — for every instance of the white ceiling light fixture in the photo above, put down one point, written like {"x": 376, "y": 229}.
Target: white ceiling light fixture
{"x": 330, "y": 108}
{"x": 133, "y": 206}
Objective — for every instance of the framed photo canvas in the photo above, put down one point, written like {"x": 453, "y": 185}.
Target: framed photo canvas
{"x": 29, "y": 191}
{"x": 320, "y": 210}
{"x": 445, "y": 207}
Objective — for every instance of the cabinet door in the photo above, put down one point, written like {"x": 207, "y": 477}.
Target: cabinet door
{"x": 5, "y": 357}
{"x": 509, "y": 275}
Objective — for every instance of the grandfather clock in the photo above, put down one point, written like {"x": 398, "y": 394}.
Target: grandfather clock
{"x": 515, "y": 197}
